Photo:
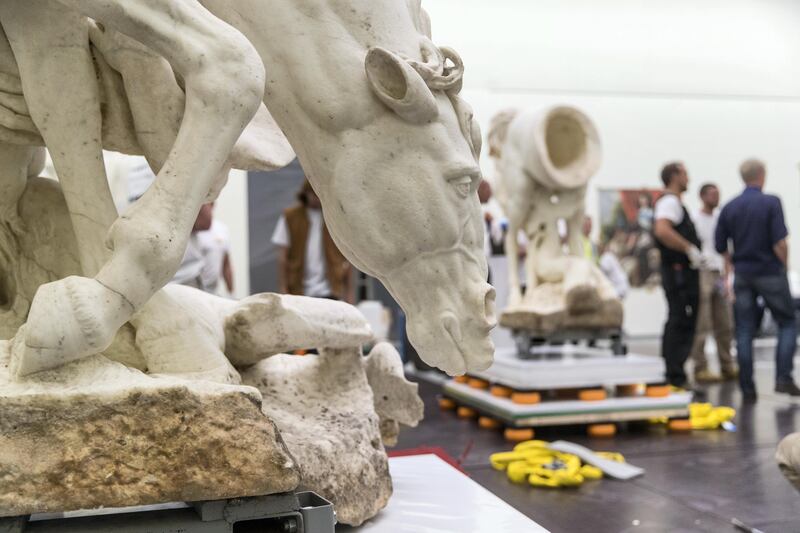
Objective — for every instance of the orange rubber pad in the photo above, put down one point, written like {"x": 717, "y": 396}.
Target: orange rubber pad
{"x": 476, "y": 383}
{"x": 488, "y": 423}
{"x": 518, "y": 434}
{"x": 501, "y": 392}
{"x": 592, "y": 395}
{"x": 680, "y": 425}
{"x": 657, "y": 391}
{"x": 446, "y": 404}
{"x": 466, "y": 412}
{"x": 602, "y": 430}
{"x": 461, "y": 379}
{"x": 526, "y": 398}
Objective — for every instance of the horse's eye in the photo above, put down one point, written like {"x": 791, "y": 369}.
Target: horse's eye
{"x": 463, "y": 185}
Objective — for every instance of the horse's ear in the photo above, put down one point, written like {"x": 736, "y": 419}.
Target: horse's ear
{"x": 399, "y": 86}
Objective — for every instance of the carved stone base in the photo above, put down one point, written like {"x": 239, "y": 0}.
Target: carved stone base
{"x": 97, "y": 434}
{"x": 323, "y": 407}
{"x": 544, "y": 309}
{"x": 788, "y": 457}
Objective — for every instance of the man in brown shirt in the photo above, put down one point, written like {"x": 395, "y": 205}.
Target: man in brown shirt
{"x": 309, "y": 263}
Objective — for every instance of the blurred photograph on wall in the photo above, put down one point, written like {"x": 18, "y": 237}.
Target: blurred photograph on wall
{"x": 626, "y": 224}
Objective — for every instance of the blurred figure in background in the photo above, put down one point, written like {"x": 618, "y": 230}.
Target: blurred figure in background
{"x": 589, "y": 247}
{"x": 191, "y": 269}
{"x": 309, "y": 263}
{"x": 714, "y": 313}
{"x": 215, "y": 244}
{"x": 612, "y": 268}
{"x": 680, "y": 259}
{"x": 484, "y": 195}
{"x": 753, "y": 223}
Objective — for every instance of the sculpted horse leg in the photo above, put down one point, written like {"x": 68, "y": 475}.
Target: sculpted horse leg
{"x": 224, "y": 80}
{"x": 59, "y": 83}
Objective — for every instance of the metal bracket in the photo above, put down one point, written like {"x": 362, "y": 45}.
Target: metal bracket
{"x": 302, "y": 512}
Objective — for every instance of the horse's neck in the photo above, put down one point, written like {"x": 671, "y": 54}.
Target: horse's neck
{"x": 314, "y": 50}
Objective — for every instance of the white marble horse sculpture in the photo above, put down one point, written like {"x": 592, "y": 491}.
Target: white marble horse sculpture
{"x": 544, "y": 162}
{"x": 366, "y": 100}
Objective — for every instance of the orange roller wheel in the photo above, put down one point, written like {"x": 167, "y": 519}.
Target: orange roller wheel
{"x": 476, "y": 383}
{"x": 501, "y": 392}
{"x": 526, "y": 398}
{"x": 680, "y": 425}
{"x": 446, "y": 404}
{"x": 518, "y": 434}
{"x": 466, "y": 412}
{"x": 602, "y": 430}
{"x": 461, "y": 379}
{"x": 657, "y": 391}
{"x": 488, "y": 423}
{"x": 592, "y": 395}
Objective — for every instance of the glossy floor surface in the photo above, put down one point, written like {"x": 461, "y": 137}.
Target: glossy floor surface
{"x": 694, "y": 482}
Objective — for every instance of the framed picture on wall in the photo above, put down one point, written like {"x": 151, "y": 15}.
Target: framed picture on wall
{"x": 626, "y": 228}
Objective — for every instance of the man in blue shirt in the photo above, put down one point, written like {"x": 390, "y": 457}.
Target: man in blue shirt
{"x": 753, "y": 223}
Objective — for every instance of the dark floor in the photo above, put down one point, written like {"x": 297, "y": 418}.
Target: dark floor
{"x": 694, "y": 482}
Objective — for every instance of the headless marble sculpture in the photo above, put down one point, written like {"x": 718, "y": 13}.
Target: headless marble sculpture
{"x": 544, "y": 161}
{"x": 140, "y": 383}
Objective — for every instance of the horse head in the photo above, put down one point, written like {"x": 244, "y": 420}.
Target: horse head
{"x": 407, "y": 211}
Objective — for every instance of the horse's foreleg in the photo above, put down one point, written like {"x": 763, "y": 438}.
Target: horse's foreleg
{"x": 50, "y": 44}
{"x": 224, "y": 79}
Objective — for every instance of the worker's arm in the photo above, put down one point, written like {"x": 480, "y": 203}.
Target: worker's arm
{"x": 227, "y": 272}
{"x": 666, "y": 234}
{"x": 781, "y": 249}
{"x": 728, "y": 276}
{"x": 283, "y": 266}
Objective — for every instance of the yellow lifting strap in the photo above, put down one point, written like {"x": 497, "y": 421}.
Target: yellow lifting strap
{"x": 706, "y": 416}
{"x": 534, "y": 462}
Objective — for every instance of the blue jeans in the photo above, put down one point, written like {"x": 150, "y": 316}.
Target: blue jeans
{"x": 775, "y": 292}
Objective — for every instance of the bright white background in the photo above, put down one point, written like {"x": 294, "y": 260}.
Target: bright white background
{"x": 710, "y": 82}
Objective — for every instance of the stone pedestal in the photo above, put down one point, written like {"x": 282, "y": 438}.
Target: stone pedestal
{"x": 97, "y": 434}
{"x": 544, "y": 309}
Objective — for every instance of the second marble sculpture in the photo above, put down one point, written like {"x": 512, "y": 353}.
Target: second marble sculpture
{"x": 544, "y": 160}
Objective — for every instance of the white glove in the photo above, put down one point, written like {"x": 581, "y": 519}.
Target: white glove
{"x": 695, "y": 257}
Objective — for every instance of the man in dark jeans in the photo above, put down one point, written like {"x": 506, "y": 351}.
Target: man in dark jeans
{"x": 753, "y": 223}
{"x": 680, "y": 260}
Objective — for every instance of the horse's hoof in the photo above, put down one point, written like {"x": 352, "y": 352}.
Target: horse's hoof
{"x": 69, "y": 319}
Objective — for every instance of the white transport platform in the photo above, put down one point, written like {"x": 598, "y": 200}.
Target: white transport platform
{"x": 430, "y": 496}
{"x": 569, "y": 366}
{"x": 562, "y": 412}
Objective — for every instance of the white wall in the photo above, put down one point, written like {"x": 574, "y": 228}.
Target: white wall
{"x": 231, "y": 208}
{"x": 710, "y": 83}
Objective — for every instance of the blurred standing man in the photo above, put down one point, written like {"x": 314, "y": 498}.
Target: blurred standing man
{"x": 679, "y": 245}
{"x": 714, "y": 313}
{"x": 309, "y": 263}
{"x": 589, "y": 247}
{"x": 753, "y": 222}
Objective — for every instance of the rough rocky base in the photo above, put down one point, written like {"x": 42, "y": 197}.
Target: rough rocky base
{"x": 323, "y": 407}
{"x": 97, "y": 434}
{"x": 788, "y": 457}
{"x": 545, "y": 310}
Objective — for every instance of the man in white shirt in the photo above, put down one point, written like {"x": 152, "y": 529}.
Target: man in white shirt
{"x": 191, "y": 267}
{"x": 714, "y": 313}
{"x": 611, "y": 267}
{"x": 679, "y": 245}
{"x": 215, "y": 244}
